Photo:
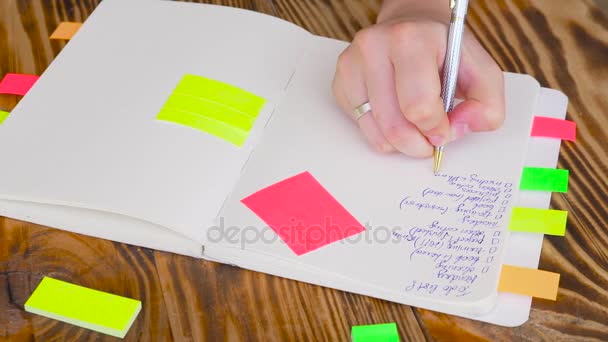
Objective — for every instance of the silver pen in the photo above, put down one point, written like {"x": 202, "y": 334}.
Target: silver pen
{"x": 450, "y": 66}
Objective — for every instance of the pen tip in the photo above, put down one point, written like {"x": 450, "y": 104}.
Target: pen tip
{"x": 437, "y": 158}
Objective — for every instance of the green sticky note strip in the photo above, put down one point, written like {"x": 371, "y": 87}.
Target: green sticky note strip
{"x": 375, "y": 333}
{"x": 544, "y": 221}
{"x": 544, "y": 179}
{"x": 3, "y": 116}
{"x": 100, "y": 311}
{"x": 217, "y": 108}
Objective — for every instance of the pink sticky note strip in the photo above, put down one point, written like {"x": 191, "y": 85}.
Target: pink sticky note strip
{"x": 303, "y": 213}
{"x": 17, "y": 84}
{"x": 554, "y": 128}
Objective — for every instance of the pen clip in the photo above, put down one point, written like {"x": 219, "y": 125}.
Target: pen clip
{"x": 452, "y": 4}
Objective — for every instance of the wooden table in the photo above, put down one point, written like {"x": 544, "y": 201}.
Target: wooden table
{"x": 564, "y": 44}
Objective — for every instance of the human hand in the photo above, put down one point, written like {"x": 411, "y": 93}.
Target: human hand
{"x": 396, "y": 65}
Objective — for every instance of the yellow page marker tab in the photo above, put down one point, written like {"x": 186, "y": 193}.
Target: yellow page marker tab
{"x": 66, "y": 30}
{"x": 100, "y": 311}
{"x": 3, "y": 116}
{"x": 544, "y": 221}
{"x": 528, "y": 282}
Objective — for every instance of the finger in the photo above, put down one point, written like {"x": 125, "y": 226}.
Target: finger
{"x": 373, "y": 134}
{"x": 481, "y": 83}
{"x": 368, "y": 126}
{"x": 419, "y": 90}
{"x": 345, "y": 83}
{"x": 380, "y": 82}
{"x": 341, "y": 100}
{"x": 350, "y": 91}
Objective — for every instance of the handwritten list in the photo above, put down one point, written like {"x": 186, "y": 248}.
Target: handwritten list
{"x": 462, "y": 236}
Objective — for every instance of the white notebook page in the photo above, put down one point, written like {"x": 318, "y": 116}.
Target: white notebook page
{"x": 420, "y": 263}
{"x": 86, "y": 136}
{"x": 523, "y": 249}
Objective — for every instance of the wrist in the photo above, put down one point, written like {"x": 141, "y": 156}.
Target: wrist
{"x": 437, "y": 10}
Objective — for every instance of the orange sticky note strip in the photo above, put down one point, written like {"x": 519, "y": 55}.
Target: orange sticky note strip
{"x": 66, "y": 30}
{"x": 528, "y": 282}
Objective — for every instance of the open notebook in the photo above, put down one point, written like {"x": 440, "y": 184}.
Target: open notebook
{"x": 91, "y": 156}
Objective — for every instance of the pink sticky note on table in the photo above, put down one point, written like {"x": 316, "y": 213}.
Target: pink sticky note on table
{"x": 553, "y": 128}
{"x": 17, "y": 84}
{"x": 303, "y": 213}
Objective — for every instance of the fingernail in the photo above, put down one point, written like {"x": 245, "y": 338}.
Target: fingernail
{"x": 436, "y": 140}
{"x": 459, "y": 130}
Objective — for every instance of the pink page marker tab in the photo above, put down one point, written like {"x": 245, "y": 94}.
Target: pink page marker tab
{"x": 553, "y": 128}
{"x": 17, "y": 84}
{"x": 303, "y": 213}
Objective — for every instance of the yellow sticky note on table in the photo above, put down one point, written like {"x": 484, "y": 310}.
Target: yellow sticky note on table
{"x": 214, "y": 107}
{"x": 66, "y": 30}
{"x": 3, "y": 116}
{"x": 528, "y": 282}
{"x": 533, "y": 220}
{"x": 96, "y": 310}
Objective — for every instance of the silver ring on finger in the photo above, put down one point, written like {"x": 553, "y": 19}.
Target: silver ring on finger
{"x": 361, "y": 110}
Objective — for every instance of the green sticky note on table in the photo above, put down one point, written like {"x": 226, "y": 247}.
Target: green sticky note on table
{"x": 544, "y": 221}
{"x": 214, "y": 107}
{"x": 544, "y": 179}
{"x": 375, "y": 333}
{"x": 96, "y": 310}
{"x": 3, "y": 116}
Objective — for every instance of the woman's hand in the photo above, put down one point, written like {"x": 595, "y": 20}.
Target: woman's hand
{"x": 396, "y": 65}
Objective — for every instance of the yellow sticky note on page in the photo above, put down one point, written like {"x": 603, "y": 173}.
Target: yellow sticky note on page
{"x": 99, "y": 311}
{"x": 221, "y": 94}
{"x": 213, "y": 107}
{"x": 528, "y": 282}
{"x": 203, "y": 123}
{"x": 66, "y": 30}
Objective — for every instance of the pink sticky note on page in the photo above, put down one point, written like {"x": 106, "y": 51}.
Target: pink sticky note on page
{"x": 303, "y": 213}
{"x": 553, "y": 128}
{"x": 17, "y": 84}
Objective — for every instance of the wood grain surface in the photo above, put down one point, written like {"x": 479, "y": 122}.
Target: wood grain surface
{"x": 562, "y": 43}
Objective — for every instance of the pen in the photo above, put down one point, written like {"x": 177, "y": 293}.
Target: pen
{"x": 450, "y": 66}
